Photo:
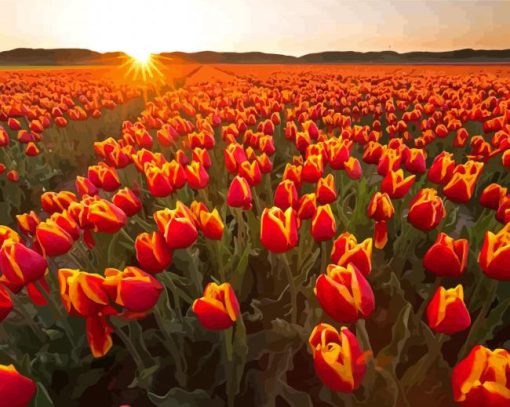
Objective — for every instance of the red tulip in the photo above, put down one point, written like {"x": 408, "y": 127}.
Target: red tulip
{"x": 338, "y": 359}
{"x": 239, "y": 194}
{"x": 494, "y": 257}
{"x": 278, "y": 229}
{"x": 481, "y": 379}
{"x": 346, "y": 249}
{"x": 426, "y": 210}
{"x": 447, "y": 313}
{"x": 344, "y": 293}
{"x": 323, "y": 225}
{"x": 447, "y": 257}
{"x": 16, "y": 390}
{"x": 218, "y": 308}
{"x": 152, "y": 252}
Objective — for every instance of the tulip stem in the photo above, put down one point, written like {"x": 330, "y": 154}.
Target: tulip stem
{"x": 60, "y": 315}
{"x": 324, "y": 257}
{"x": 292, "y": 287}
{"x": 126, "y": 235}
{"x": 227, "y": 339}
{"x": 475, "y": 328}
{"x": 131, "y": 349}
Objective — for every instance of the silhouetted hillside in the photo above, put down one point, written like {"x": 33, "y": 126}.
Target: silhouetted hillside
{"x": 70, "y": 56}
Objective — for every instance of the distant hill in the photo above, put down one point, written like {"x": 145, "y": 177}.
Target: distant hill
{"x": 71, "y": 56}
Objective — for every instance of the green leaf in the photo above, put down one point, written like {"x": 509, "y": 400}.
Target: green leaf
{"x": 42, "y": 398}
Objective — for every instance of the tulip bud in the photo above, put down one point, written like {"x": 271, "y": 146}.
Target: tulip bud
{"x": 27, "y": 223}
{"x": 447, "y": 257}
{"x": 313, "y": 168}
{"x": 106, "y": 217}
{"x": 338, "y": 359}
{"x": 353, "y": 168}
{"x": 21, "y": 265}
{"x": 16, "y": 390}
{"x": 395, "y": 185}
{"x": 251, "y": 172}
{"x": 85, "y": 187}
{"x": 82, "y": 293}
{"x": 344, "y": 293}
{"x": 415, "y": 161}
{"x": 6, "y": 233}
{"x": 494, "y": 257}
{"x": 346, "y": 249}
{"x": 211, "y": 225}
{"x": 461, "y": 186}
{"x": 285, "y": 195}
{"x": 239, "y": 194}
{"x": 426, "y": 210}
{"x": 197, "y": 175}
{"x": 152, "y": 253}
{"x": 481, "y": 379}
{"x": 278, "y": 229}
{"x": 446, "y": 312}
{"x": 492, "y": 195}
{"x": 323, "y": 224}
{"x": 178, "y": 228}
{"x": 503, "y": 212}
{"x": 52, "y": 202}
{"x": 307, "y": 206}
{"x": 441, "y": 169}
{"x": 126, "y": 200}
{"x": 218, "y": 308}
{"x": 326, "y": 190}
{"x": 133, "y": 289}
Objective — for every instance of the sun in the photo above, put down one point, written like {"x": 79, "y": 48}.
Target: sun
{"x": 141, "y": 57}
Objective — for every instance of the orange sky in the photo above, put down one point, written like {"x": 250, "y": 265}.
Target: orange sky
{"x": 283, "y": 26}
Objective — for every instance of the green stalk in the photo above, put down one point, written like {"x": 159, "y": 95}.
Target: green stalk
{"x": 292, "y": 287}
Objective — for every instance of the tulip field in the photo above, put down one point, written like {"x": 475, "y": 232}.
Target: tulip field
{"x": 232, "y": 235}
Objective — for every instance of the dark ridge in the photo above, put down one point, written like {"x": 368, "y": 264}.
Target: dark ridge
{"x": 72, "y": 56}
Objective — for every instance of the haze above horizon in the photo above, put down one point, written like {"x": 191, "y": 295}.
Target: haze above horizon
{"x": 283, "y": 27}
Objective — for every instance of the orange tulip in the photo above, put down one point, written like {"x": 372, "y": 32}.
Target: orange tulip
{"x": 346, "y": 249}
{"x": 447, "y": 257}
{"x": 494, "y": 257}
{"x": 16, "y": 390}
{"x": 177, "y": 226}
{"x": 52, "y": 202}
{"x": 21, "y": 265}
{"x": 211, "y": 225}
{"x": 196, "y": 175}
{"x": 395, "y": 185}
{"x": 85, "y": 187}
{"x": 82, "y": 293}
{"x": 323, "y": 225}
{"x": 344, "y": 293}
{"x": 481, "y": 379}
{"x": 353, "y": 168}
{"x": 338, "y": 359}
{"x": 106, "y": 217}
{"x": 133, "y": 289}
{"x": 152, "y": 253}
{"x": 461, "y": 186}
{"x": 218, "y": 308}
{"x": 251, "y": 172}
{"x": 426, "y": 210}
{"x": 278, "y": 229}
{"x": 27, "y": 222}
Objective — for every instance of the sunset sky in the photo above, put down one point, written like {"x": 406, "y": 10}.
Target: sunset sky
{"x": 283, "y": 26}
